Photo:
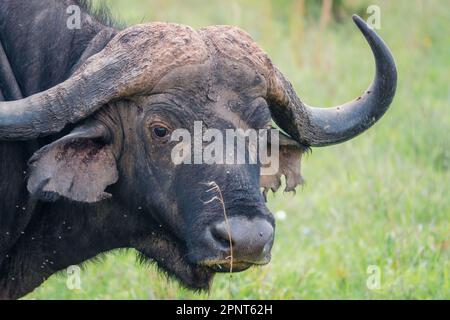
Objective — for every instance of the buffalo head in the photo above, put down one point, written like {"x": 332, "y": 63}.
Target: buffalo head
{"x": 124, "y": 104}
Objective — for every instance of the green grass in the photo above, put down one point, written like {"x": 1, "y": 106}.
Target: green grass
{"x": 381, "y": 199}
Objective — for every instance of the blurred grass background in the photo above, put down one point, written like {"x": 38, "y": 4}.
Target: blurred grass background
{"x": 381, "y": 199}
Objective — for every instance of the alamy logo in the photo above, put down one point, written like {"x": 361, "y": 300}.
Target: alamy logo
{"x": 374, "y": 20}
{"x": 74, "y": 19}
{"x": 373, "y": 281}
{"x": 73, "y": 281}
{"x": 236, "y": 146}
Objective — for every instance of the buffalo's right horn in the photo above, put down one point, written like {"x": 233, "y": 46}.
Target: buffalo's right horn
{"x": 318, "y": 127}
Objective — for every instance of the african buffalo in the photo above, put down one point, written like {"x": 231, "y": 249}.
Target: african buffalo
{"x": 85, "y": 151}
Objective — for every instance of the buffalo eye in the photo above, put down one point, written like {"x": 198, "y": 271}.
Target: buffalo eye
{"x": 160, "y": 132}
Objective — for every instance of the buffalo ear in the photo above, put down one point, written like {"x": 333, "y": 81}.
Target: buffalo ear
{"x": 79, "y": 167}
{"x": 290, "y": 155}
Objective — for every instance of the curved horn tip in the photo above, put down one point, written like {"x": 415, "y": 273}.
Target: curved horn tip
{"x": 358, "y": 20}
{"x": 328, "y": 126}
{"x": 365, "y": 28}
{"x": 362, "y": 25}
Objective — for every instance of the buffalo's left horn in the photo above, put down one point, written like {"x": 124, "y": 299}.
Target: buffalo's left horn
{"x": 130, "y": 64}
{"x": 318, "y": 127}
{"x": 49, "y": 111}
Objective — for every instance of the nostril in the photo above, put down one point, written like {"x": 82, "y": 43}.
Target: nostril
{"x": 221, "y": 235}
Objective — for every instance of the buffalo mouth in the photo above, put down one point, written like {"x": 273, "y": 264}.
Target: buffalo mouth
{"x": 171, "y": 256}
{"x": 195, "y": 261}
{"x": 228, "y": 266}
